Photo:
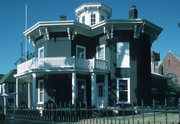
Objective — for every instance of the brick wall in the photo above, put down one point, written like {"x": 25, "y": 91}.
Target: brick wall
{"x": 171, "y": 65}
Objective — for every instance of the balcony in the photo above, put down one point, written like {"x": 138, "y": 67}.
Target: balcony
{"x": 62, "y": 63}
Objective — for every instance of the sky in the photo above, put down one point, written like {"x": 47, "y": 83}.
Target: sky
{"x": 164, "y": 13}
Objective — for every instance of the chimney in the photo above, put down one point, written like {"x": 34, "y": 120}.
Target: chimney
{"x": 63, "y": 17}
{"x": 133, "y": 13}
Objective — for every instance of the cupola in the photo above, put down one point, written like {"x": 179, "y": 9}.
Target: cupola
{"x": 92, "y": 13}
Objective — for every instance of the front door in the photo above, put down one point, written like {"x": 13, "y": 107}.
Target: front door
{"x": 100, "y": 95}
{"x": 82, "y": 91}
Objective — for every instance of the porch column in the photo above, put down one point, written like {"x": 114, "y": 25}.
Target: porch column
{"x": 33, "y": 93}
{"x": 17, "y": 93}
{"x": 106, "y": 89}
{"x": 5, "y": 104}
{"x": 74, "y": 87}
{"x": 29, "y": 95}
{"x": 93, "y": 90}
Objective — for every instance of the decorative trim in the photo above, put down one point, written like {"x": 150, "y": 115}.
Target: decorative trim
{"x": 71, "y": 33}
{"x": 108, "y": 31}
{"x": 47, "y": 34}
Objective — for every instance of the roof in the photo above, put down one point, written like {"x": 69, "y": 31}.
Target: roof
{"x": 9, "y": 77}
{"x": 117, "y": 24}
{"x": 1, "y": 75}
{"x": 93, "y": 5}
{"x": 177, "y": 57}
{"x": 159, "y": 76}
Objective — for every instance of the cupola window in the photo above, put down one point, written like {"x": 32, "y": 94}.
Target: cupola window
{"x": 93, "y": 19}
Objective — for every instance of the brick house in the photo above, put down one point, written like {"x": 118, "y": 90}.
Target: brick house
{"x": 171, "y": 67}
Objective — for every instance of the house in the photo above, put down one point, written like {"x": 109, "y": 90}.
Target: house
{"x": 1, "y": 100}
{"x": 96, "y": 61}
{"x": 171, "y": 67}
{"x": 158, "y": 80}
{"x": 8, "y": 84}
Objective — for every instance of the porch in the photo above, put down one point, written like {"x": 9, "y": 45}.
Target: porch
{"x": 36, "y": 90}
{"x": 62, "y": 63}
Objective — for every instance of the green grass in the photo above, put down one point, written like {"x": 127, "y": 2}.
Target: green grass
{"x": 2, "y": 122}
{"x": 160, "y": 118}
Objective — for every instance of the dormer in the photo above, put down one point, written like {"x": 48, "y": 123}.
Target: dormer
{"x": 92, "y": 13}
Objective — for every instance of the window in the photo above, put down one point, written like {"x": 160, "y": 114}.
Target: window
{"x": 123, "y": 90}
{"x": 40, "y": 91}
{"x": 123, "y": 57}
{"x": 100, "y": 90}
{"x": 169, "y": 61}
{"x": 80, "y": 52}
{"x": 11, "y": 88}
{"x": 93, "y": 19}
{"x": 100, "y": 52}
{"x": 83, "y": 19}
{"x": 41, "y": 52}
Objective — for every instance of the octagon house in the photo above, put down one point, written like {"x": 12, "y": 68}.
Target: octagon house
{"x": 95, "y": 60}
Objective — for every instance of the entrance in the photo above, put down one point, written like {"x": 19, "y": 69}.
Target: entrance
{"x": 100, "y": 95}
{"x": 82, "y": 91}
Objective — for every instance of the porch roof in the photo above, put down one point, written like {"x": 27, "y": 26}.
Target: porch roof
{"x": 9, "y": 77}
{"x": 1, "y": 76}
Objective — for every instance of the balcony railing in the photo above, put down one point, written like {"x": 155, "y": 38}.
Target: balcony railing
{"x": 61, "y": 62}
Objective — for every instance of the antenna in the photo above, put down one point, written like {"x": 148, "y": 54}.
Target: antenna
{"x": 26, "y": 44}
{"x": 21, "y": 50}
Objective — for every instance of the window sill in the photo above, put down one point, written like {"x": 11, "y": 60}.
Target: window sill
{"x": 125, "y": 102}
{"x": 39, "y": 103}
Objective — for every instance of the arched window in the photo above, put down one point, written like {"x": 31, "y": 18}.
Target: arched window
{"x": 169, "y": 61}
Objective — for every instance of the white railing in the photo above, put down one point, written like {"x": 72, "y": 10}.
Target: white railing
{"x": 82, "y": 63}
{"x": 98, "y": 64}
{"x": 61, "y": 62}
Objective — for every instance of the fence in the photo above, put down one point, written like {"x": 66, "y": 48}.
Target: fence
{"x": 124, "y": 114}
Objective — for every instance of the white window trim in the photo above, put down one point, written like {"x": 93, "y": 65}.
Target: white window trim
{"x": 39, "y": 49}
{"x": 78, "y": 46}
{"x": 117, "y": 91}
{"x": 41, "y": 102}
{"x": 117, "y": 57}
{"x": 101, "y": 46}
{"x": 83, "y": 21}
{"x": 92, "y": 23}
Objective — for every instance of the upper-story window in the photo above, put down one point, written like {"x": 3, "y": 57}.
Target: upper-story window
{"x": 93, "y": 19}
{"x": 41, "y": 52}
{"x": 83, "y": 19}
{"x": 100, "y": 52}
{"x": 80, "y": 52}
{"x": 123, "y": 57}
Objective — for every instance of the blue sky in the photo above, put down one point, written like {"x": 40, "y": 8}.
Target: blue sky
{"x": 164, "y": 13}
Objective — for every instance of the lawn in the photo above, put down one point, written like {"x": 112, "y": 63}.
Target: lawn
{"x": 2, "y": 122}
{"x": 160, "y": 118}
